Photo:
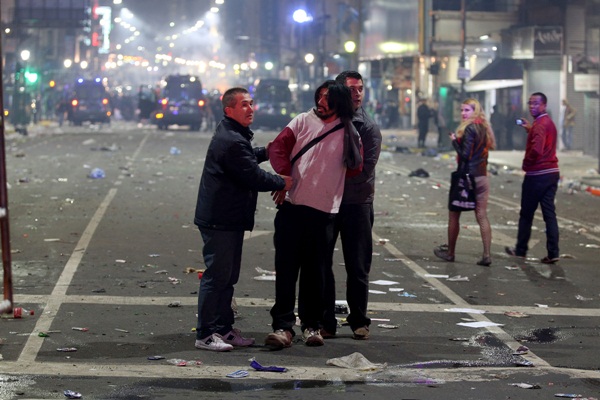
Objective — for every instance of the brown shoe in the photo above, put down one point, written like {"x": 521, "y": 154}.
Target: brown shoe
{"x": 361, "y": 333}
{"x": 325, "y": 334}
{"x": 279, "y": 339}
{"x": 312, "y": 337}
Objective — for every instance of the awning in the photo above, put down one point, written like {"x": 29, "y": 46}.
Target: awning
{"x": 501, "y": 73}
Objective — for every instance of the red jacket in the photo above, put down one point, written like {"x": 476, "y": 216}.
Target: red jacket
{"x": 540, "y": 151}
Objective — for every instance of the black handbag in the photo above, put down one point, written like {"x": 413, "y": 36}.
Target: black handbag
{"x": 462, "y": 191}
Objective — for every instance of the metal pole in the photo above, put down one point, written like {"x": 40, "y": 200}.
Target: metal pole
{"x": 4, "y": 231}
{"x": 463, "y": 49}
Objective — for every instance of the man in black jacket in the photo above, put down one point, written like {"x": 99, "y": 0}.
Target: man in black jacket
{"x": 354, "y": 222}
{"x": 226, "y": 204}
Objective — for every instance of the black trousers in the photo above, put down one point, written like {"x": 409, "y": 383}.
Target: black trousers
{"x": 354, "y": 224}
{"x": 303, "y": 245}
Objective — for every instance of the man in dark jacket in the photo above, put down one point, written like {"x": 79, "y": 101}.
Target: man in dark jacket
{"x": 227, "y": 198}
{"x": 354, "y": 222}
{"x": 423, "y": 115}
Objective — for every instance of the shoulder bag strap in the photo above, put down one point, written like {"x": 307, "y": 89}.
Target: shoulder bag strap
{"x": 315, "y": 141}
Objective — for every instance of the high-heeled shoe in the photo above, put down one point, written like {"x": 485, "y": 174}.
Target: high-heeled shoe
{"x": 485, "y": 261}
{"x": 442, "y": 252}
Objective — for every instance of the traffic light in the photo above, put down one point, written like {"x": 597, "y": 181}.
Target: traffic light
{"x": 31, "y": 77}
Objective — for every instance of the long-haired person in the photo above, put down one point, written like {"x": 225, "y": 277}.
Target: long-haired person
{"x": 472, "y": 141}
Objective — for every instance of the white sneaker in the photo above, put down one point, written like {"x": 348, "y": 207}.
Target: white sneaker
{"x": 214, "y": 343}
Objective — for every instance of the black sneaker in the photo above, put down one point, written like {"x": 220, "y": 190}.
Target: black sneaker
{"x": 511, "y": 251}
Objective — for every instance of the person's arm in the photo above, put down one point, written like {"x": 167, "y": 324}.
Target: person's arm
{"x": 537, "y": 133}
{"x": 280, "y": 151}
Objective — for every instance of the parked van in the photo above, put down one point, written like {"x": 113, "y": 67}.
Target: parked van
{"x": 89, "y": 101}
{"x": 181, "y": 102}
{"x": 273, "y": 107}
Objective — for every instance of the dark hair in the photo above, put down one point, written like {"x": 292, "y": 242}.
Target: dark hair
{"x": 341, "y": 78}
{"x": 542, "y": 96}
{"x": 339, "y": 98}
{"x": 229, "y": 99}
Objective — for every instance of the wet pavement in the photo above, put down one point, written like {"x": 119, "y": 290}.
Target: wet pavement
{"x": 111, "y": 255}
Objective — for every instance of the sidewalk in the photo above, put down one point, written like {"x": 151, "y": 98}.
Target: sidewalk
{"x": 574, "y": 165}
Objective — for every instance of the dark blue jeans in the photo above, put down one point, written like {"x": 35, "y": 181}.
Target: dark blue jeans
{"x": 538, "y": 189}
{"x": 222, "y": 258}
{"x": 354, "y": 223}
{"x": 302, "y": 239}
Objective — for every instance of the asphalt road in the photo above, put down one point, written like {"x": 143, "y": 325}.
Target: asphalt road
{"x": 111, "y": 254}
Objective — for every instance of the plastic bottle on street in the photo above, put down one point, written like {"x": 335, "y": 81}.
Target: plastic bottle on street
{"x": 20, "y": 312}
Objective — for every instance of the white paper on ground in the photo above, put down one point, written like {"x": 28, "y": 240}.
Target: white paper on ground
{"x": 479, "y": 324}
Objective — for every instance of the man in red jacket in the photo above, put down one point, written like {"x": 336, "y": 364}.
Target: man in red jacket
{"x": 541, "y": 180}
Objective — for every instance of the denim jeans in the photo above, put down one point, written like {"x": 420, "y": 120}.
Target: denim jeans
{"x": 538, "y": 189}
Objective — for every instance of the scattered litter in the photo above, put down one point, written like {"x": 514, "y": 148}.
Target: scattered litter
{"x": 355, "y": 361}
{"x": 396, "y": 289}
{"x": 120, "y": 261}
{"x": 512, "y": 268}
{"x": 99, "y": 290}
{"x": 264, "y": 271}
{"x": 52, "y": 240}
{"x": 458, "y": 278}
{"x": 516, "y": 314}
{"x": 153, "y": 255}
{"x": 67, "y": 349}
{"x": 383, "y": 282}
{"x": 175, "y": 151}
{"x": 376, "y": 291}
{"x": 341, "y": 307}
{"x": 383, "y": 241}
{"x": 541, "y": 305}
{"x": 581, "y": 298}
{"x": 479, "y": 324}
{"x": 254, "y": 364}
{"x": 526, "y": 386}
{"x": 43, "y": 334}
{"x": 121, "y": 330}
{"x": 153, "y": 358}
{"x": 174, "y": 281}
{"x": 567, "y": 395}
{"x": 420, "y": 173}
{"x": 406, "y": 294}
{"x": 465, "y": 310}
{"x": 392, "y": 259}
{"x": 380, "y": 319}
{"x": 174, "y": 304}
{"x": 190, "y": 270}
{"x": 459, "y": 339}
{"x": 521, "y": 350}
{"x": 438, "y": 276}
{"x": 69, "y": 394}
{"x": 524, "y": 363}
{"x": 162, "y": 271}
{"x": 592, "y": 246}
{"x": 184, "y": 363}
{"x": 388, "y": 326}
{"x": 265, "y": 278}
{"x": 96, "y": 173}
{"x": 240, "y": 373}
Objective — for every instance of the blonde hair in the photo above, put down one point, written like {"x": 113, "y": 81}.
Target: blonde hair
{"x": 478, "y": 118}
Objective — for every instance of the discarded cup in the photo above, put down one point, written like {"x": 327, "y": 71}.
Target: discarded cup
{"x": 5, "y": 305}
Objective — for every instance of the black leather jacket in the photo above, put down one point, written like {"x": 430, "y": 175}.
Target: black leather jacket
{"x": 231, "y": 180}
{"x": 472, "y": 149}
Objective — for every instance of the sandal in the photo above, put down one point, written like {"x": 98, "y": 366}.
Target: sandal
{"x": 485, "y": 261}
{"x": 442, "y": 252}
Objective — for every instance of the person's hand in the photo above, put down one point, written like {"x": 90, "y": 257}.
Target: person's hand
{"x": 452, "y": 136}
{"x": 278, "y": 196}
{"x": 289, "y": 181}
{"x": 525, "y": 124}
